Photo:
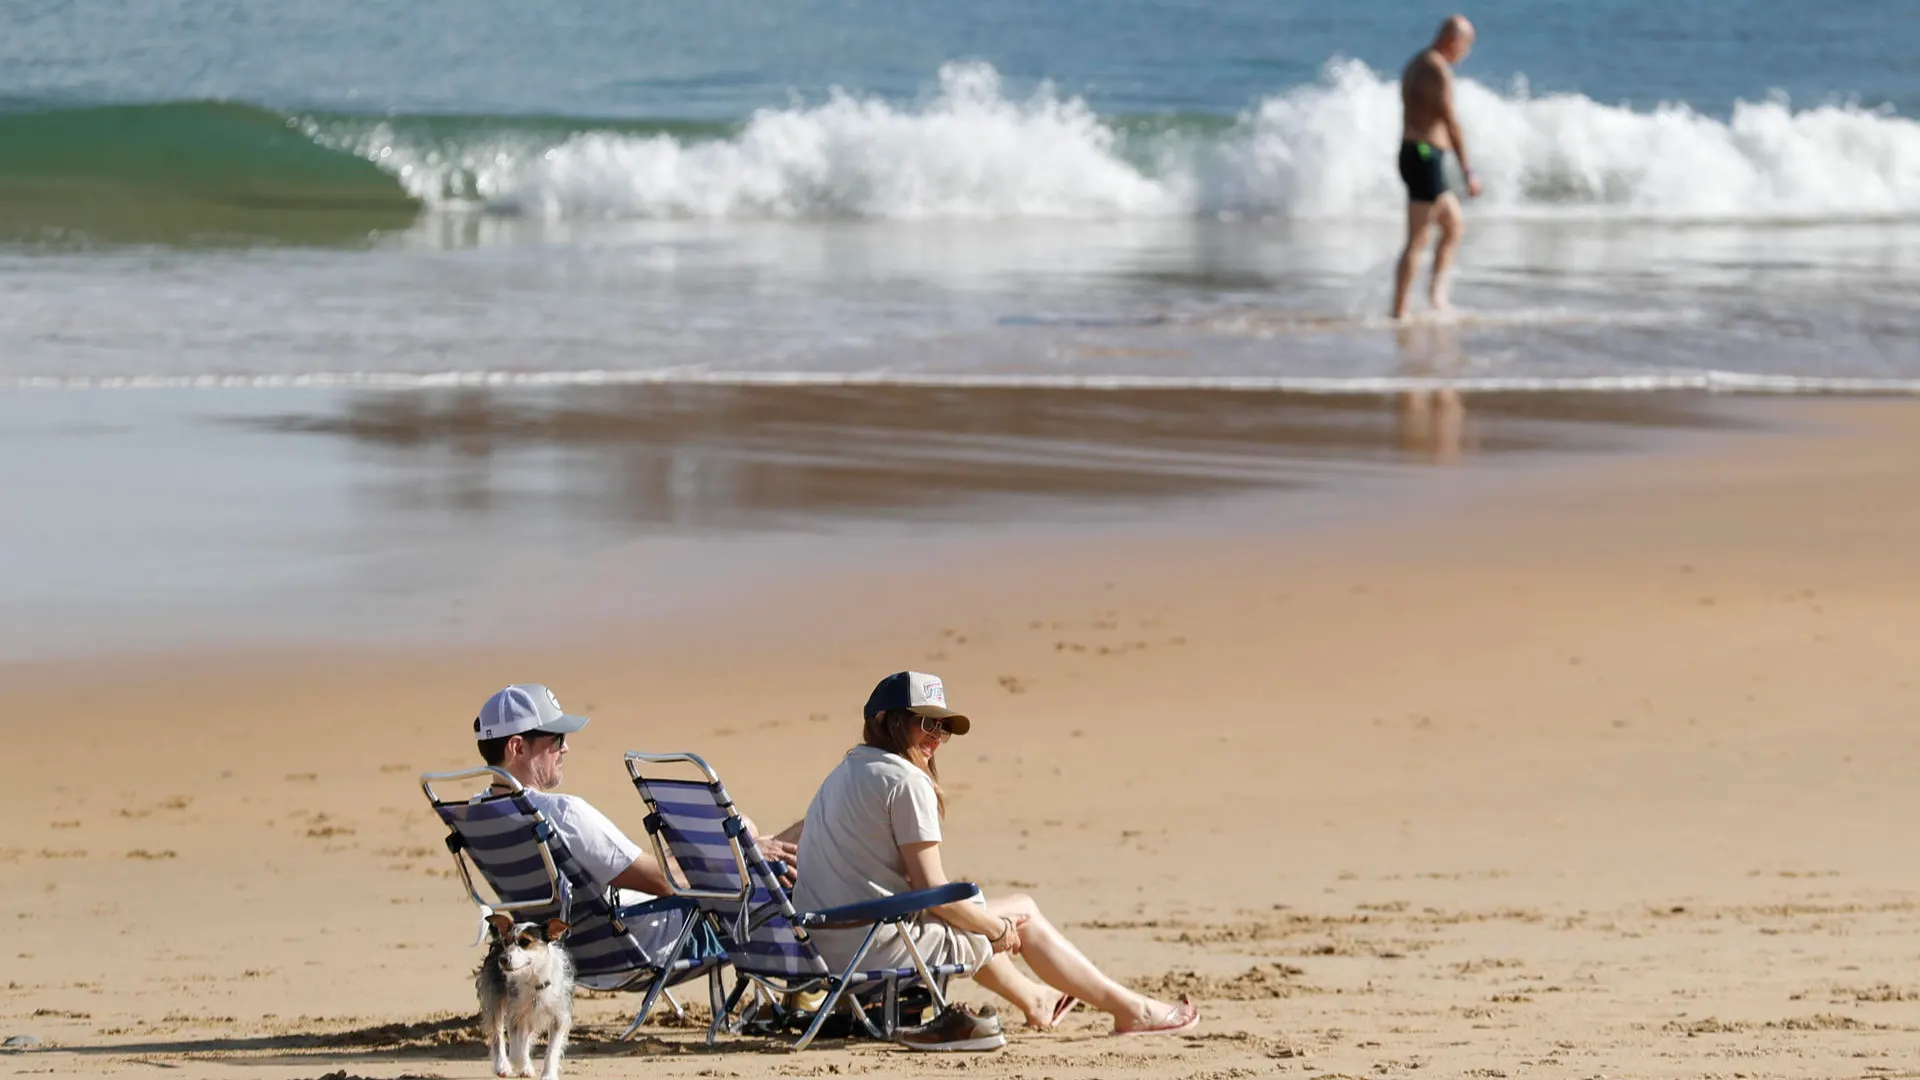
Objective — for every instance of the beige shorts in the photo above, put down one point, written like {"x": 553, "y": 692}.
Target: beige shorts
{"x": 942, "y": 944}
{"x": 938, "y": 944}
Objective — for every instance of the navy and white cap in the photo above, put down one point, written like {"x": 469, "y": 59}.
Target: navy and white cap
{"x": 917, "y": 692}
{"x": 521, "y": 708}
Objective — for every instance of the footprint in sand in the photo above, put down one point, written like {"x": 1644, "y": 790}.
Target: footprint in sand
{"x": 321, "y": 827}
{"x": 172, "y": 802}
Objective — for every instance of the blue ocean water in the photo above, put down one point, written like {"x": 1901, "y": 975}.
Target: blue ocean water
{"x": 456, "y": 191}
{"x": 720, "y": 61}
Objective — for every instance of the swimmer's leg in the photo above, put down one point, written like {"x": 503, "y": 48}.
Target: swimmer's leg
{"x": 1419, "y": 216}
{"x": 1453, "y": 225}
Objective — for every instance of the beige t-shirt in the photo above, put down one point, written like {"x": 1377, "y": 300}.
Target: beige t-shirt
{"x": 873, "y": 802}
{"x": 870, "y": 804}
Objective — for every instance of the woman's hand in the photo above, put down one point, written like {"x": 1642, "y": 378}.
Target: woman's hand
{"x": 1009, "y": 939}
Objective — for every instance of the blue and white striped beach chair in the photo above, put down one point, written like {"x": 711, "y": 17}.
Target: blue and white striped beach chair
{"x": 533, "y": 876}
{"x": 765, "y": 938}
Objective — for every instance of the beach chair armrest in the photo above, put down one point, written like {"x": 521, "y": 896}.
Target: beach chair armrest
{"x": 659, "y": 905}
{"x": 889, "y": 908}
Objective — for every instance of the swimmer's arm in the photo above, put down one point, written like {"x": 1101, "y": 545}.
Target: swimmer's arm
{"x": 1454, "y": 135}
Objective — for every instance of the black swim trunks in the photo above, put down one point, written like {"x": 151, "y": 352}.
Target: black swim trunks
{"x": 1423, "y": 167}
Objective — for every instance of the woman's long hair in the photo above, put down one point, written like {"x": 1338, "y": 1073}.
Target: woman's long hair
{"x": 893, "y": 731}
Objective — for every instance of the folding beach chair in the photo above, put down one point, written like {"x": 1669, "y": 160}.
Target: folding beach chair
{"x": 533, "y": 876}
{"x": 767, "y": 941}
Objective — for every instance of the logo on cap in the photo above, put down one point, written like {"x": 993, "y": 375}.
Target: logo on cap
{"x": 935, "y": 693}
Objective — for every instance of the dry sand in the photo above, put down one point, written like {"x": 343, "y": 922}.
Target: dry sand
{"x": 1602, "y": 772}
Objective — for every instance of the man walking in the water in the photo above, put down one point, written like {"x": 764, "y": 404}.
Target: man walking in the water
{"x": 1430, "y": 131}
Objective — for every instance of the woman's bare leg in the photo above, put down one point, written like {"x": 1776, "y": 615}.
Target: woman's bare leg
{"x": 1034, "y": 1000}
{"x": 1065, "y": 968}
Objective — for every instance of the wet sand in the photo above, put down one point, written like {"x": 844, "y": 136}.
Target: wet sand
{"x": 1594, "y": 765}
{"x": 151, "y": 518}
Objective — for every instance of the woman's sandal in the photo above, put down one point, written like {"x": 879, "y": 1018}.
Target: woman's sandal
{"x": 1060, "y": 1010}
{"x": 1183, "y": 1018}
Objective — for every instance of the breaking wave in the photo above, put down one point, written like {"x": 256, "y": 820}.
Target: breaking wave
{"x": 968, "y": 149}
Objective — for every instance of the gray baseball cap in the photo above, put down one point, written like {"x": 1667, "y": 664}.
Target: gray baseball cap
{"x": 521, "y": 708}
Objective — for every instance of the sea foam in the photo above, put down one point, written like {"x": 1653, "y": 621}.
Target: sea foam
{"x": 971, "y": 150}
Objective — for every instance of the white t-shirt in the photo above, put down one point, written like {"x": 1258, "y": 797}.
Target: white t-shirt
{"x": 873, "y": 802}
{"x": 602, "y": 850}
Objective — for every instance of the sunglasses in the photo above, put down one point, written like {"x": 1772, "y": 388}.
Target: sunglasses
{"x": 933, "y": 726}
{"x": 559, "y": 737}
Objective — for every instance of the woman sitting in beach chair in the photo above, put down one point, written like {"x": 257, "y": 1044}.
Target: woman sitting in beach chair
{"x": 874, "y": 829}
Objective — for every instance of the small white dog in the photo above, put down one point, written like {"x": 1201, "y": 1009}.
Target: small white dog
{"x": 526, "y": 990}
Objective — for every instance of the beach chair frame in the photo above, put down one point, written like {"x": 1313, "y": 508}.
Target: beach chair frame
{"x": 657, "y": 976}
{"x": 754, "y": 899}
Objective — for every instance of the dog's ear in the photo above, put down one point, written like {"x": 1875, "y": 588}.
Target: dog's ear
{"x": 502, "y": 925}
{"x": 557, "y": 929}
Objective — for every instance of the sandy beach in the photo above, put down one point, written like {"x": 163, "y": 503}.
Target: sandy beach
{"x": 1603, "y": 769}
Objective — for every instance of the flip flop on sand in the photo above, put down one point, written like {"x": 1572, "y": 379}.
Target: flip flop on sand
{"x": 1060, "y": 1010}
{"x": 1183, "y": 1018}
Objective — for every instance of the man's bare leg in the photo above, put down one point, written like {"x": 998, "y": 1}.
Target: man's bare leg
{"x": 1419, "y": 215}
{"x": 1446, "y": 213}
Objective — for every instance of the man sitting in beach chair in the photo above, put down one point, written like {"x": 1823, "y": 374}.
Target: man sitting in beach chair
{"x": 623, "y": 937}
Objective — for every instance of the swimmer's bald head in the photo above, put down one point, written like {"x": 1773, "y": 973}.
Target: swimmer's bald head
{"x": 1454, "y": 38}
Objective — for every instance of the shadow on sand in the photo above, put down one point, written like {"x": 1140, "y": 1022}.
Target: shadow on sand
{"x": 444, "y": 1038}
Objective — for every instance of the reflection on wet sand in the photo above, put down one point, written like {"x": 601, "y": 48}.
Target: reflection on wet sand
{"x": 381, "y": 515}
{"x": 694, "y": 457}
{"x": 1432, "y": 421}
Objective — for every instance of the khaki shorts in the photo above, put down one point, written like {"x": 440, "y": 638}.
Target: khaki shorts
{"x": 938, "y": 944}
{"x": 942, "y": 944}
